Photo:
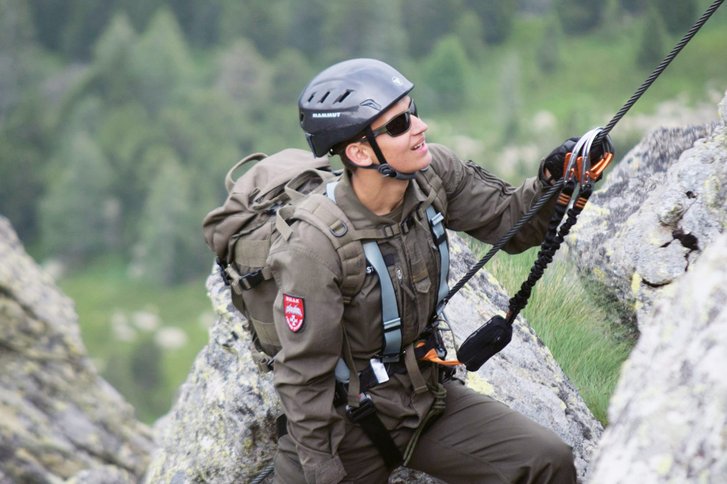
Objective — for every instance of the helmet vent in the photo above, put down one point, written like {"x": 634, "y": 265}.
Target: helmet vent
{"x": 324, "y": 97}
{"x": 311, "y": 97}
{"x": 343, "y": 96}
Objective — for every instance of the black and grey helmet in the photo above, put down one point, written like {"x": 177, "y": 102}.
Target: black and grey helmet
{"x": 345, "y": 98}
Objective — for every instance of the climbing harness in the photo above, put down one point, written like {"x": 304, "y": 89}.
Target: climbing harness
{"x": 576, "y": 186}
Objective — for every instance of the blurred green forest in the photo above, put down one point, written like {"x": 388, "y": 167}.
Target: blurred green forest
{"x": 119, "y": 119}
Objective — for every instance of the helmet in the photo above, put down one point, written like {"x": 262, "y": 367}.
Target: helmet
{"x": 345, "y": 98}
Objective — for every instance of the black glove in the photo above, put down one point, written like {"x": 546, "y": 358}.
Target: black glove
{"x": 555, "y": 160}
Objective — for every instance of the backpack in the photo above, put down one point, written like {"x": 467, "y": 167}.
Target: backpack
{"x": 291, "y": 184}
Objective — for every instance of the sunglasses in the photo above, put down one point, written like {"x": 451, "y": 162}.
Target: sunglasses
{"x": 399, "y": 124}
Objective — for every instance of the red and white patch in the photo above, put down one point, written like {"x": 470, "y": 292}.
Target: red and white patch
{"x": 294, "y": 309}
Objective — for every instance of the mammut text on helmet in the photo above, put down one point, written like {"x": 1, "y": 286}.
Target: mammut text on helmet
{"x": 326, "y": 115}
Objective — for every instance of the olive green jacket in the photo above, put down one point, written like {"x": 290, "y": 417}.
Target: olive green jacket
{"x": 307, "y": 268}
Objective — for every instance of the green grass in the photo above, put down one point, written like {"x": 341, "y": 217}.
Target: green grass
{"x": 584, "y": 338}
{"x": 145, "y": 373}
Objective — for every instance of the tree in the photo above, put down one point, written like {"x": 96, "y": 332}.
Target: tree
{"x": 200, "y": 21}
{"x": 166, "y": 251}
{"x": 84, "y": 23}
{"x": 496, "y": 17}
{"x": 427, "y": 21}
{"x": 24, "y": 136}
{"x": 307, "y": 21}
{"x": 579, "y": 16}
{"x": 634, "y": 6}
{"x": 677, "y": 16}
{"x": 364, "y": 29}
{"x": 511, "y": 98}
{"x": 24, "y": 128}
{"x": 264, "y": 22}
{"x": 112, "y": 61}
{"x": 445, "y": 74}
{"x": 48, "y": 21}
{"x": 653, "y": 38}
{"x": 547, "y": 51}
{"x": 139, "y": 12}
{"x": 77, "y": 212}
{"x": 16, "y": 41}
{"x": 160, "y": 61}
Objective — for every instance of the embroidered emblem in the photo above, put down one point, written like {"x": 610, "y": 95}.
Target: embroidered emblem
{"x": 294, "y": 309}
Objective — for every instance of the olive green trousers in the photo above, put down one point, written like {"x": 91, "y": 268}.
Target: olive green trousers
{"x": 476, "y": 440}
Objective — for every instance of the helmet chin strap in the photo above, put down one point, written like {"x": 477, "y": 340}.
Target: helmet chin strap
{"x": 383, "y": 167}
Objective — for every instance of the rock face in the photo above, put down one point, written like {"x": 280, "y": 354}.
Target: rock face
{"x": 59, "y": 421}
{"x": 222, "y": 426}
{"x": 653, "y": 237}
{"x": 655, "y": 212}
{"x": 669, "y": 412}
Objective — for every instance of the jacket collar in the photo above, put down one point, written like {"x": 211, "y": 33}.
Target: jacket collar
{"x": 361, "y": 217}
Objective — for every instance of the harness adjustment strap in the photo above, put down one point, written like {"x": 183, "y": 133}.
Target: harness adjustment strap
{"x": 365, "y": 416}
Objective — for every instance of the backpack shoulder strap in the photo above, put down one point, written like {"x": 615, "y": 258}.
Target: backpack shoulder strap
{"x": 321, "y": 212}
{"x": 434, "y": 208}
{"x": 389, "y": 309}
{"x": 432, "y": 185}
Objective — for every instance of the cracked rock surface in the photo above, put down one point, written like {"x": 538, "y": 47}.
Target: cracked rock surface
{"x": 60, "y": 422}
{"x": 668, "y": 416}
{"x": 654, "y": 214}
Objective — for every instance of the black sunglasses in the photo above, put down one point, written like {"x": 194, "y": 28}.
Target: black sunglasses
{"x": 399, "y": 124}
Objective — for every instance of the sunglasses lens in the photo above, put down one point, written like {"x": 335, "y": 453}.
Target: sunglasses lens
{"x": 399, "y": 125}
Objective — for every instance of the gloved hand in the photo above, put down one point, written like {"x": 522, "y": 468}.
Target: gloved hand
{"x": 554, "y": 162}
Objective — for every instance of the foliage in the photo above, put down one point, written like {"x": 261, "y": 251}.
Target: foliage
{"x": 678, "y": 16}
{"x": 653, "y": 36}
{"x": 580, "y": 16}
{"x": 445, "y": 74}
{"x": 166, "y": 252}
{"x": 548, "y": 53}
{"x": 633, "y": 6}
{"x": 496, "y": 17}
{"x": 78, "y": 214}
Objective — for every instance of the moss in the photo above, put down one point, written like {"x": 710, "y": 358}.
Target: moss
{"x": 479, "y": 384}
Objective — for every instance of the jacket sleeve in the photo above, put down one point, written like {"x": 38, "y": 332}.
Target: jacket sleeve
{"x": 485, "y": 206}
{"x": 308, "y": 274}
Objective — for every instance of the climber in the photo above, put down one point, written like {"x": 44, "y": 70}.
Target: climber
{"x": 356, "y": 409}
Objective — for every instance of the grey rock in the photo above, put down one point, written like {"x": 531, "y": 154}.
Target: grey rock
{"x": 221, "y": 429}
{"x": 59, "y": 419}
{"x": 653, "y": 215}
{"x": 669, "y": 413}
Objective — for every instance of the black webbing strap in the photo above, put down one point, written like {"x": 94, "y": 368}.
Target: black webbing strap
{"x": 365, "y": 416}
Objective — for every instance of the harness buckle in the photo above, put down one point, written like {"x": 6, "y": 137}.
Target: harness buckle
{"x": 365, "y": 409}
{"x": 223, "y": 272}
{"x": 251, "y": 279}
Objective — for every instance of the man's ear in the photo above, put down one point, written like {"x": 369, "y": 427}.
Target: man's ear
{"x": 359, "y": 154}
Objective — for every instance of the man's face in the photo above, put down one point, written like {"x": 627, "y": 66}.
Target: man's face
{"x": 407, "y": 152}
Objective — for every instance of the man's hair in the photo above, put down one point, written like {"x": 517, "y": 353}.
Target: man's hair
{"x": 340, "y": 150}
